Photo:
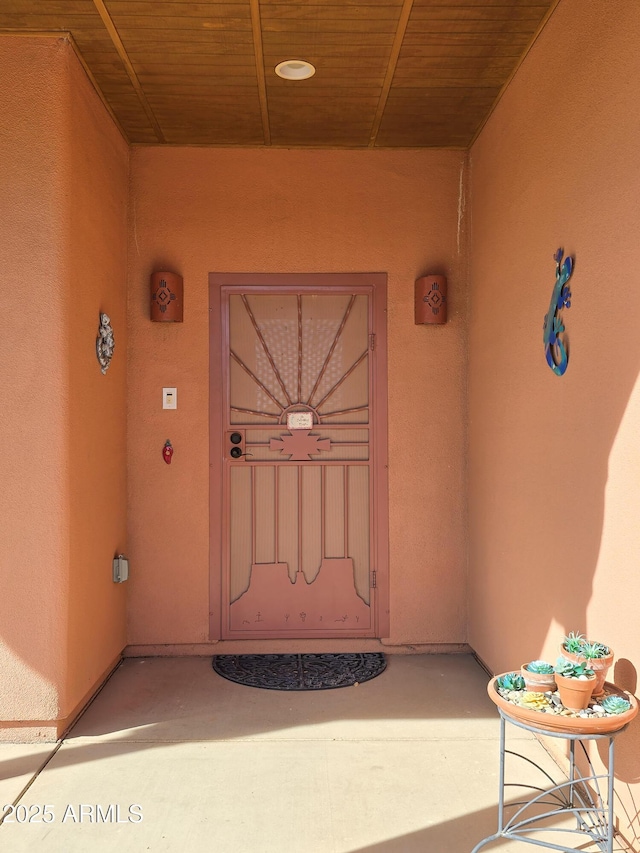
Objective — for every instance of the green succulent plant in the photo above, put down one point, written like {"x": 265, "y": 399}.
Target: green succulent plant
{"x": 540, "y": 666}
{"x": 578, "y": 644}
{"x": 573, "y": 670}
{"x": 574, "y": 642}
{"x": 594, "y": 651}
{"x": 615, "y": 704}
{"x": 511, "y": 681}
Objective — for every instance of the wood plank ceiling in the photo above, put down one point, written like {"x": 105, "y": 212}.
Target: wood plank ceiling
{"x": 390, "y": 73}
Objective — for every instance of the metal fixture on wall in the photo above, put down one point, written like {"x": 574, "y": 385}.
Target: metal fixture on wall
{"x": 431, "y": 300}
{"x": 105, "y": 343}
{"x": 555, "y": 346}
{"x": 120, "y": 569}
{"x": 166, "y": 297}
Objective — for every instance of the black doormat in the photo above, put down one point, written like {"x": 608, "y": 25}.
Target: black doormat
{"x": 300, "y": 672}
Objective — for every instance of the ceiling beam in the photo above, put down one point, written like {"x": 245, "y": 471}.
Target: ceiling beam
{"x": 124, "y": 56}
{"x": 256, "y": 27}
{"x": 391, "y": 69}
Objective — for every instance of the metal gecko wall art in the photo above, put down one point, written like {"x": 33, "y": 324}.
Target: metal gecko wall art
{"x": 554, "y": 347}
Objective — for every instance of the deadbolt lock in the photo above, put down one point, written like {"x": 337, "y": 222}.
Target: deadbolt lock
{"x": 236, "y": 440}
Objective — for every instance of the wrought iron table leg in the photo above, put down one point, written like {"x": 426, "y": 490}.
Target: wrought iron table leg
{"x": 501, "y": 786}
{"x": 610, "y": 796}
{"x": 594, "y": 821}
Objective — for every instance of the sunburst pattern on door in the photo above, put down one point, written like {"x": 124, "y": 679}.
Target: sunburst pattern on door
{"x": 299, "y": 505}
{"x": 299, "y": 352}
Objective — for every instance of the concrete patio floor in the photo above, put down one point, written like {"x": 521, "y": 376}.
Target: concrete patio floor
{"x": 189, "y": 761}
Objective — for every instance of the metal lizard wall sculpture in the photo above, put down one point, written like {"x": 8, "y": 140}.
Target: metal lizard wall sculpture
{"x": 557, "y": 357}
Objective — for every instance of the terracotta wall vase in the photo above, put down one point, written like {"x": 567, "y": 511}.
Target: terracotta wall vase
{"x": 538, "y": 682}
{"x": 599, "y": 665}
{"x": 575, "y": 693}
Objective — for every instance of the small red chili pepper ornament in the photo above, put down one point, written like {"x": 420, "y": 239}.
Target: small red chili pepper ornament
{"x": 167, "y": 452}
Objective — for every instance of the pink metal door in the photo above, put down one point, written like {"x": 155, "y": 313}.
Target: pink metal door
{"x": 300, "y": 458}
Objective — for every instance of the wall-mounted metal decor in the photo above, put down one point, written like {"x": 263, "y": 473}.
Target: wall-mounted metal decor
{"x": 105, "y": 343}
{"x": 554, "y": 347}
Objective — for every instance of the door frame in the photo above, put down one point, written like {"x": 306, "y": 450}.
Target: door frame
{"x": 218, "y": 341}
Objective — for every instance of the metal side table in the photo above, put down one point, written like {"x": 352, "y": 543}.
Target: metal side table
{"x": 579, "y": 795}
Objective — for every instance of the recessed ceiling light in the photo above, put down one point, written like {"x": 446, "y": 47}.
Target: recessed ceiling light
{"x": 295, "y": 69}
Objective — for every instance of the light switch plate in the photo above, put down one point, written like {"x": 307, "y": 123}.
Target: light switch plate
{"x": 169, "y": 398}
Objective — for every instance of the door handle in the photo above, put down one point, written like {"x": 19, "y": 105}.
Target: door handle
{"x": 236, "y": 453}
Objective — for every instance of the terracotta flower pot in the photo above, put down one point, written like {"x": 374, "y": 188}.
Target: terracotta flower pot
{"x": 538, "y": 682}
{"x": 575, "y": 693}
{"x": 599, "y": 665}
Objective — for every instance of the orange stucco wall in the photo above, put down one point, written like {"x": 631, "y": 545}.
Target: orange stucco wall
{"x": 196, "y": 211}
{"x": 32, "y": 138}
{"x": 98, "y": 176}
{"x": 553, "y": 461}
{"x": 63, "y": 502}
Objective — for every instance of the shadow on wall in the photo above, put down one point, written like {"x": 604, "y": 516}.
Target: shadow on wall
{"x": 550, "y": 490}
{"x": 552, "y": 460}
{"x": 552, "y": 469}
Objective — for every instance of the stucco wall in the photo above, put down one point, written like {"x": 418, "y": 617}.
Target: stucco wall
{"x": 62, "y": 505}
{"x": 96, "y": 281}
{"x": 196, "y": 211}
{"x": 554, "y": 463}
{"x": 32, "y": 371}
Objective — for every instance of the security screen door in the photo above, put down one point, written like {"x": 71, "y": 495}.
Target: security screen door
{"x": 300, "y": 407}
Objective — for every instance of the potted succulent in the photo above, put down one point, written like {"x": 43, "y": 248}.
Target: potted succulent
{"x": 575, "y": 682}
{"x": 614, "y": 704}
{"x": 572, "y": 644}
{"x": 539, "y": 676}
{"x": 577, "y": 648}
{"x": 599, "y": 658}
{"x": 511, "y": 681}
